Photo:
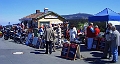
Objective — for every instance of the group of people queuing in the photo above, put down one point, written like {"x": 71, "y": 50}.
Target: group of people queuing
{"x": 112, "y": 43}
{"x": 91, "y": 33}
{"x": 48, "y": 35}
{"x": 111, "y": 40}
{"x": 73, "y": 33}
{"x": 53, "y": 35}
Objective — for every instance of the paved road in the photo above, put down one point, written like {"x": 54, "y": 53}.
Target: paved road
{"x": 37, "y": 56}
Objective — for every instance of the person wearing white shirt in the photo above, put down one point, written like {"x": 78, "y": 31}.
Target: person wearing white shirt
{"x": 73, "y": 33}
{"x": 115, "y": 43}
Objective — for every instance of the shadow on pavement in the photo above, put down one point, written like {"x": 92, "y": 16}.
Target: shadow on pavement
{"x": 96, "y": 54}
{"x": 40, "y": 50}
{"x": 96, "y": 61}
{"x": 58, "y": 47}
{"x": 36, "y": 52}
{"x": 62, "y": 58}
{"x": 83, "y": 48}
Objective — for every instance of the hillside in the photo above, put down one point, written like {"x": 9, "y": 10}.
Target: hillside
{"x": 77, "y": 16}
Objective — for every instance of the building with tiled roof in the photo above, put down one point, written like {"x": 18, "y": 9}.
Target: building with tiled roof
{"x": 41, "y": 18}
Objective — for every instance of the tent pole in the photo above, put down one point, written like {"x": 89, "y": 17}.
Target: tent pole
{"x": 106, "y": 23}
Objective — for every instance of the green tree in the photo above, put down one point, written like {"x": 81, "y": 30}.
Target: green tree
{"x": 80, "y": 22}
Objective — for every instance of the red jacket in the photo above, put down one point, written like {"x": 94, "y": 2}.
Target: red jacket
{"x": 97, "y": 31}
{"x": 89, "y": 32}
{"x": 78, "y": 31}
{"x": 67, "y": 33}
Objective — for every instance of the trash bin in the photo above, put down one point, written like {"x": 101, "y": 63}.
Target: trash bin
{"x": 1, "y": 34}
{"x": 119, "y": 50}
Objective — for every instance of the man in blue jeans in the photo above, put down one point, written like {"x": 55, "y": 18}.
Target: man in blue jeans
{"x": 115, "y": 44}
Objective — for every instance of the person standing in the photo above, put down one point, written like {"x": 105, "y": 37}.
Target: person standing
{"x": 67, "y": 34}
{"x": 41, "y": 32}
{"x": 55, "y": 40}
{"x": 97, "y": 31}
{"x": 107, "y": 42}
{"x": 114, "y": 44}
{"x": 59, "y": 35}
{"x": 35, "y": 37}
{"x": 73, "y": 33}
{"x": 49, "y": 37}
{"x": 79, "y": 31}
{"x": 90, "y": 35}
{"x": 29, "y": 37}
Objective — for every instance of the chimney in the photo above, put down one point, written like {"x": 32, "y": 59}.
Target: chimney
{"x": 37, "y": 11}
{"x": 45, "y": 10}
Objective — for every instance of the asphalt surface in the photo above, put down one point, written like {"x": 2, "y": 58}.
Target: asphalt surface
{"x": 36, "y": 56}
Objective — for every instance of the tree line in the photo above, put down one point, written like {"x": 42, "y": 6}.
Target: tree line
{"x": 81, "y": 22}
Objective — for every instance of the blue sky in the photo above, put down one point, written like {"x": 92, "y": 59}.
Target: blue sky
{"x": 12, "y": 10}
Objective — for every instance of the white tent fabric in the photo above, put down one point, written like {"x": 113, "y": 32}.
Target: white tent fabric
{"x": 114, "y": 22}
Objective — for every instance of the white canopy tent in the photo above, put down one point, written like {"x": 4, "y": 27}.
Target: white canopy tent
{"x": 114, "y": 22}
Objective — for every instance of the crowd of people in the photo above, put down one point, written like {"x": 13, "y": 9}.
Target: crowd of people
{"x": 92, "y": 32}
{"x": 49, "y": 36}
{"x": 111, "y": 40}
{"x": 111, "y": 35}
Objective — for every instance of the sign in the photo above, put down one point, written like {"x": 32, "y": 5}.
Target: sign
{"x": 42, "y": 23}
{"x": 72, "y": 51}
{"x": 95, "y": 43}
{"x": 64, "y": 52}
{"x": 51, "y": 16}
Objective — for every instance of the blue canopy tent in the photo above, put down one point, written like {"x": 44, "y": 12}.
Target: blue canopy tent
{"x": 105, "y": 15}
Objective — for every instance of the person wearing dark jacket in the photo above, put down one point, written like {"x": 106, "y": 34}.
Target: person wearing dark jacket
{"x": 49, "y": 37}
{"x": 108, "y": 41}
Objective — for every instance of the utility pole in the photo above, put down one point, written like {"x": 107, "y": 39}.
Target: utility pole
{"x": 8, "y": 23}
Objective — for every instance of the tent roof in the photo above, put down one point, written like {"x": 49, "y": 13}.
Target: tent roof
{"x": 107, "y": 11}
{"x": 105, "y": 15}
